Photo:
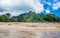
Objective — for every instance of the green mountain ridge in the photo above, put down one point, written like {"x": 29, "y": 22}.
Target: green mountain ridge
{"x": 35, "y": 17}
{"x": 30, "y": 17}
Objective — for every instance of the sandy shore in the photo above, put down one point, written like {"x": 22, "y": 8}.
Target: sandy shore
{"x": 30, "y": 26}
{"x": 29, "y": 30}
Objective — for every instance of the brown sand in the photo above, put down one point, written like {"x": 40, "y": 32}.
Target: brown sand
{"x": 30, "y": 26}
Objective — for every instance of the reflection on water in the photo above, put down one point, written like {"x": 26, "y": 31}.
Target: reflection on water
{"x": 28, "y": 34}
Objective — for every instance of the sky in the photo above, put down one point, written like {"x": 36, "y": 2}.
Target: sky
{"x": 17, "y": 7}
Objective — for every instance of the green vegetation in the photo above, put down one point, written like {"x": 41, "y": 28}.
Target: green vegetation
{"x": 29, "y": 17}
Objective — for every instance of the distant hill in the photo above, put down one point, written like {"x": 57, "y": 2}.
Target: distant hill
{"x": 30, "y": 17}
{"x": 35, "y": 17}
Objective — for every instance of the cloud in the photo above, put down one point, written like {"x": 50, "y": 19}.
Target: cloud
{"x": 56, "y": 6}
{"x": 47, "y": 11}
{"x": 16, "y": 7}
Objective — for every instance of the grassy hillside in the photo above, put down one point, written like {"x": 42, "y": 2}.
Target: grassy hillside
{"x": 30, "y": 17}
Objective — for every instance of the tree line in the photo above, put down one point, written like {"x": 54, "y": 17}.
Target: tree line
{"x": 29, "y": 17}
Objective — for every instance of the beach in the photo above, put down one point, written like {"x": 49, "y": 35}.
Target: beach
{"x": 29, "y": 30}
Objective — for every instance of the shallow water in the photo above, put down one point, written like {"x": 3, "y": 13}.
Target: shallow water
{"x": 28, "y": 34}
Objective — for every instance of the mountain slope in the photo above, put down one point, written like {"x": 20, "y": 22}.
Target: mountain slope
{"x": 31, "y": 17}
{"x": 34, "y": 17}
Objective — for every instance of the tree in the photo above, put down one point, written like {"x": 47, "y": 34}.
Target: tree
{"x": 13, "y": 19}
{"x": 2, "y": 19}
{"x": 51, "y": 18}
{"x": 7, "y": 16}
{"x": 21, "y": 19}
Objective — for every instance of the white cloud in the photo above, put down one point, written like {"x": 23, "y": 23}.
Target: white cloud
{"x": 47, "y": 11}
{"x": 9, "y": 5}
{"x": 37, "y": 7}
{"x": 56, "y": 6}
{"x": 13, "y": 13}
